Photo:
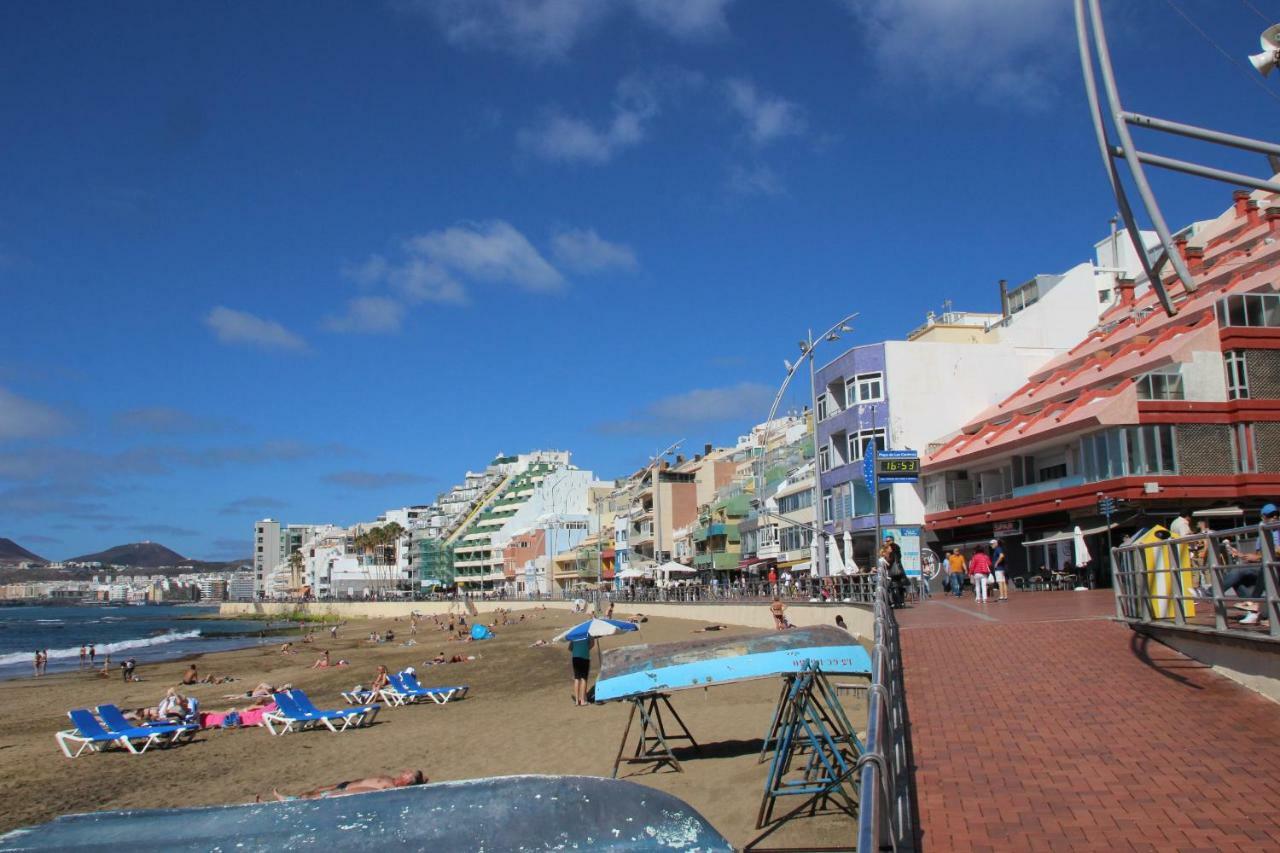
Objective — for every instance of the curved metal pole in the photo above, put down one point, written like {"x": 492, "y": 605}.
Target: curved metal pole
{"x": 1109, "y": 164}
{"x": 1130, "y": 156}
{"x": 811, "y": 344}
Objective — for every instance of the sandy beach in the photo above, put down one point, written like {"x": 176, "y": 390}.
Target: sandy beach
{"x": 518, "y": 718}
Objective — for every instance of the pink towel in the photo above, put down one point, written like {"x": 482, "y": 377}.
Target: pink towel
{"x": 253, "y": 716}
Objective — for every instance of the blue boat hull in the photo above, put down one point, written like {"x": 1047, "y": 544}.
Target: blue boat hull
{"x": 637, "y": 670}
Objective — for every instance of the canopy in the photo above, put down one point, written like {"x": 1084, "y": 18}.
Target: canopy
{"x": 1066, "y": 535}
{"x": 674, "y": 568}
{"x": 596, "y": 628}
{"x": 628, "y": 574}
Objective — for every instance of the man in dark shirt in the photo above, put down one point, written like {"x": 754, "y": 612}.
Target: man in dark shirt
{"x": 998, "y": 569}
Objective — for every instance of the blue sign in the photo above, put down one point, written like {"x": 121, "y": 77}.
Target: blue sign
{"x": 896, "y": 466}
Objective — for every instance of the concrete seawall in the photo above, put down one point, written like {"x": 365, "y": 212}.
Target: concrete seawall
{"x": 858, "y": 617}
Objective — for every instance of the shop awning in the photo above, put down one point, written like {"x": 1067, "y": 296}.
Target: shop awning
{"x": 1065, "y": 535}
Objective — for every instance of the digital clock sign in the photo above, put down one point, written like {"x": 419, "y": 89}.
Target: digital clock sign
{"x": 895, "y": 467}
{"x": 890, "y": 466}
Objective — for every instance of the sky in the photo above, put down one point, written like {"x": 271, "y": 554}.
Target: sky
{"x": 316, "y": 260}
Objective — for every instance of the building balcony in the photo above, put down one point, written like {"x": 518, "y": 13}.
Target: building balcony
{"x": 719, "y": 561}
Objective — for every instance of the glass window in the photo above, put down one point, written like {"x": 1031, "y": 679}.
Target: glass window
{"x": 1237, "y": 375}
{"x": 1168, "y": 458}
{"x": 1242, "y": 449}
{"x": 1249, "y": 309}
{"x": 824, "y": 457}
{"x": 870, "y": 387}
{"x": 822, "y": 407}
{"x": 860, "y": 441}
{"x": 826, "y": 505}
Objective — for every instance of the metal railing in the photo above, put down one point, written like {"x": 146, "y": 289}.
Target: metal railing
{"x": 1195, "y": 582}
{"x": 884, "y": 809}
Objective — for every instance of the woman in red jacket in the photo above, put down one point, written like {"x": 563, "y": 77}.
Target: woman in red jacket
{"x": 980, "y": 571}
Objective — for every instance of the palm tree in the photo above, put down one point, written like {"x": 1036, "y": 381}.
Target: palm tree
{"x": 295, "y": 570}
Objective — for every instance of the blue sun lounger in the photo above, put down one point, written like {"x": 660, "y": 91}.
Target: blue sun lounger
{"x": 89, "y": 735}
{"x": 117, "y": 722}
{"x": 439, "y": 695}
{"x": 295, "y": 712}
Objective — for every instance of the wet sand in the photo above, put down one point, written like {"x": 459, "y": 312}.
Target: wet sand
{"x": 518, "y": 718}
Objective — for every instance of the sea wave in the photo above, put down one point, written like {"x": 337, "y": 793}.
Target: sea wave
{"x": 103, "y": 649}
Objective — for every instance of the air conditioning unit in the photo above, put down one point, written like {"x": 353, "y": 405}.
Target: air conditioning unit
{"x": 1151, "y": 488}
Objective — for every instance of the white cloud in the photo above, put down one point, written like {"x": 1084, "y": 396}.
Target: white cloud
{"x": 637, "y": 101}
{"x": 540, "y": 30}
{"x": 768, "y": 117}
{"x": 701, "y": 406}
{"x": 583, "y": 250}
{"x": 688, "y": 19}
{"x": 757, "y": 179}
{"x": 241, "y": 327}
{"x": 23, "y": 418}
{"x": 993, "y": 49}
{"x": 492, "y": 251}
{"x": 368, "y": 315}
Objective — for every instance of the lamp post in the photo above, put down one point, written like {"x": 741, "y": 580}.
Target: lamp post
{"x": 807, "y": 347}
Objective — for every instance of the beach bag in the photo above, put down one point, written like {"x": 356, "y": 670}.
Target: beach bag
{"x": 231, "y": 720}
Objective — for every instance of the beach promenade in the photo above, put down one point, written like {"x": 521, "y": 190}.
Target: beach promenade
{"x": 1041, "y": 724}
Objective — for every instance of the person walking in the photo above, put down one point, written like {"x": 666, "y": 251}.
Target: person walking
{"x": 955, "y": 561}
{"x": 580, "y": 654}
{"x": 84, "y": 655}
{"x": 998, "y": 568}
{"x": 36, "y": 665}
{"x": 92, "y": 654}
{"x": 980, "y": 569}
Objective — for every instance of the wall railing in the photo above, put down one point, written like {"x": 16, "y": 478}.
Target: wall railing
{"x": 1220, "y": 581}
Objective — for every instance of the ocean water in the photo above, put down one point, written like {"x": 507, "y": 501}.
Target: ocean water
{"x": 144, "y": 633}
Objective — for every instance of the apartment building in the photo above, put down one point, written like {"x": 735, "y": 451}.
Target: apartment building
{"x": 905, "y": 394}
{"x": 1157, "y": 412}
{"x": 273, "y": 542}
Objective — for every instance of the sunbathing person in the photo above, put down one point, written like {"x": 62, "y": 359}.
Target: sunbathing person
{"x": 710, "y": 628}
{"x": 287, "y": 649}
{"x": 359, "y": 786}
{"x": 192, "y": 677}
{"x": 439, "y": 658}
{"x": 380, "y": 680}
{"x": 262, "y": 691}
{"x": 322, "y": 662}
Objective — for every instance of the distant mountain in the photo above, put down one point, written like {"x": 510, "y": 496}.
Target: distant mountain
{"x": 12, "y": 552}
{"x": 144, "y": 555}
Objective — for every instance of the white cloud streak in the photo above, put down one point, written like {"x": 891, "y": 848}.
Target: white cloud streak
{"x": 695, "y": 408}
{"x": 24, "y": 418}
{"x": 768, "y": 118}
{"x": 542, "y": 30}
{"x": 241, "y": 327}
{"x": 993, "y": 50}
{"x": 583, "y": 250}
{"x": 493, "y": 252}
{"x": 369, "y": 315}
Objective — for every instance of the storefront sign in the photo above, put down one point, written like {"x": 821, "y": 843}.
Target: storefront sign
{"x": 1006, "y": 528}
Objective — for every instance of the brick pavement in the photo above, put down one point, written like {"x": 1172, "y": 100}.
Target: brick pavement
{"x": 1040, "y": 724}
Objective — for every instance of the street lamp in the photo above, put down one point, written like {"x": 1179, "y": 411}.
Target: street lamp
{"x": 807, "y": 347}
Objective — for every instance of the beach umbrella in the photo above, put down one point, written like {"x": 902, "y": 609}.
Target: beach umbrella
{"x": 834, "y": 563}
{"x": 596, "y": 628}
{"x": 849, "y": 564}
{"x": 1082, "y": 555}
{"x": 814, "y": 565}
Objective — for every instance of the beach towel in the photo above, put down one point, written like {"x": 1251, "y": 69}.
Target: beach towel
{"x": 480, "y": 632}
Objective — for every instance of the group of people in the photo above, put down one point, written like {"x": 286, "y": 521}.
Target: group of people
{"x": 1245, "y": 579}
{"x": 986, "y": 568}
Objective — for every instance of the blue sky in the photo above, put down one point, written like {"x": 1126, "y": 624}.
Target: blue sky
{"x": 315, "y": 260}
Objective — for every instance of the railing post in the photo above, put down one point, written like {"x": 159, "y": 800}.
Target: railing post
{"x": 1267, "y": 608}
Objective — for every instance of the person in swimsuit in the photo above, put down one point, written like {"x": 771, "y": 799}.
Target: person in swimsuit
{"x": 358, "y": 786}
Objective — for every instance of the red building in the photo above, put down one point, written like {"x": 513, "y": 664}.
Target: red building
{"x": 1157, "y": 412}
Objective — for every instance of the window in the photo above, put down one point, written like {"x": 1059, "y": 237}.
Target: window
{"x": 795, "y": 538}
{"x": 1243, "y": 450}
{"x": 824, "y": 407}
{"x": 824, "y": 457}
{"x": 1053, "y": 472}
{"x": 1104, "y": 296}
{"x": 1249, "y": 309}
{"x": 1024, "y": 296}
{"x": 860, "y": 441}
{"x": 1129, "y": 451}
{"x": 870, "y": 387}
{"x": 797, "y": 501}
{"x": 826, "y": 505}
{"x": 1161, "y": 385}
{"x": 1237, "y": 375}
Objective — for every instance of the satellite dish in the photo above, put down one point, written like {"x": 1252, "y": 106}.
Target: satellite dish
{"x": 1266, "y": 60}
